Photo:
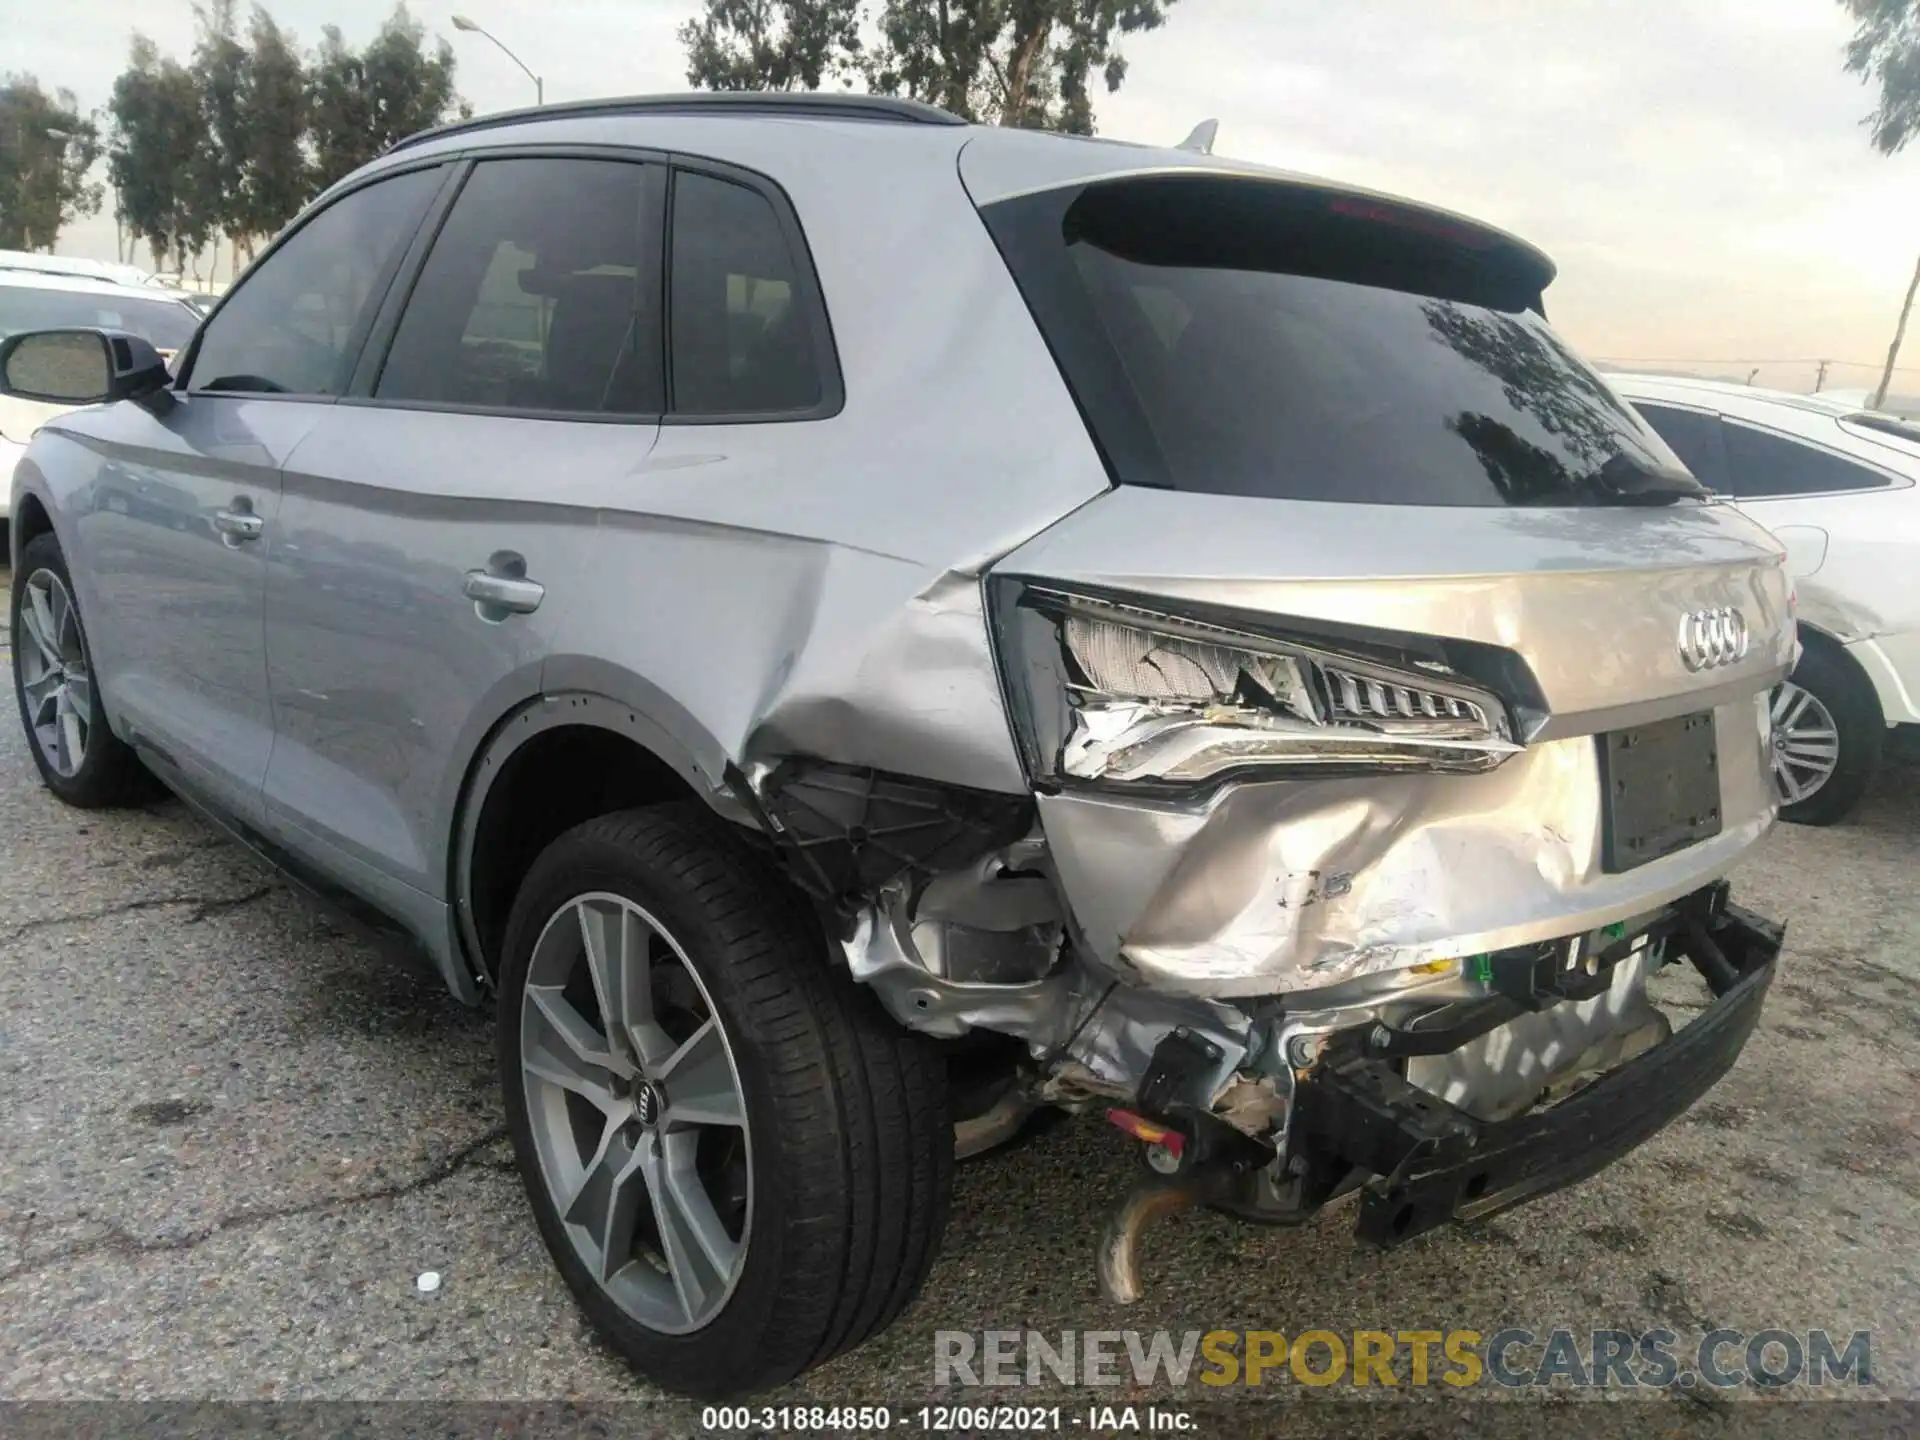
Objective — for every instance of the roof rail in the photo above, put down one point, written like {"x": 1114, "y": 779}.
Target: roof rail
{"x": 796, "y": 104}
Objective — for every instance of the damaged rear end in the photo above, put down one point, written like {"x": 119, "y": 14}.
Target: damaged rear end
{"x": 1388, "y": 728}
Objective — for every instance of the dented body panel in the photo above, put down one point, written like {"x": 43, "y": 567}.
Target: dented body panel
{"x": 1285, "y": 886}
{"x": 1276, "y": 886}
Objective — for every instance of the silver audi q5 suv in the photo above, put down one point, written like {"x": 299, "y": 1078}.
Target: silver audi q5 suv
{"x": 854, "y": 629}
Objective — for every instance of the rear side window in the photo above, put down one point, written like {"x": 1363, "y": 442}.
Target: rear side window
{"x": 1760, "y": 464}
{"x": 1245, "y": 338}
{"x": 540, "y": 294}
{"x": 743, "y": 338}
{"x": 295, "y": 324}
{"x": 1695, "y": 437}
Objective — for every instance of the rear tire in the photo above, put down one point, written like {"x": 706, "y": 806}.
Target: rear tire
{"x": 842, "y": 1137}
{"x": 1826, "y": 681}
{"x": 79, "y": 757}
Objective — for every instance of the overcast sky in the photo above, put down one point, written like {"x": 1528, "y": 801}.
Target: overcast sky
{"x": 1696, "y": 167}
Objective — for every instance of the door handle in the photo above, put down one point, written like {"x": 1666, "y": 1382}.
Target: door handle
{"x": 502, "y": 589}
{"x": 238, "y": 525}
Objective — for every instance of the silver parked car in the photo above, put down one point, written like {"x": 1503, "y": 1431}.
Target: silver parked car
{"x": 851, "y": 628}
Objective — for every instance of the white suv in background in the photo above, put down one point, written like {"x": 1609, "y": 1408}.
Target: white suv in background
{"x": 1835, "y": 483}
{"x": 39, "y": 299}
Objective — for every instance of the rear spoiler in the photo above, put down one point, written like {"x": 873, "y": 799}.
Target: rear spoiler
{"x": 1237, "y": 220}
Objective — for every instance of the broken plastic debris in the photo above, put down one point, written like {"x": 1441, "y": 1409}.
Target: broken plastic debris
{"x": 428, "y": 1282}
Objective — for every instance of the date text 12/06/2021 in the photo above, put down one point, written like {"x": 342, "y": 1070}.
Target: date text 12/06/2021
{"x": 946, "y": 1419}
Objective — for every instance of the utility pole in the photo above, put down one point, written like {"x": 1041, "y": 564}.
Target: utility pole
{"x": 1821, "y": 378}
{"x": 1899, "y": 334}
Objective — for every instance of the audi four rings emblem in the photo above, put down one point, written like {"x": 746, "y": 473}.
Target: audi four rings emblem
{"x": 1710, "y": 638}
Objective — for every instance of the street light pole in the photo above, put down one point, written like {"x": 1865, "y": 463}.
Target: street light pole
{"x": 461, "y": 22}
{"x": 30, "y": 168}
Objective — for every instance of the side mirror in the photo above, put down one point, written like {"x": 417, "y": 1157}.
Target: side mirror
{"x": 79, "y": 367}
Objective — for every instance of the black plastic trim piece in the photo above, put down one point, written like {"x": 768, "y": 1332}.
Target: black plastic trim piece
{"x": 413, "y": 259}
{"x": 1436, "y": 1163}
{"x": 1660, "y": 789}
{"x": 844, "y": 832}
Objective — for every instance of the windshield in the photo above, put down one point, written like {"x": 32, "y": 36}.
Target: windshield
{"x": 163, "y": 324}
{"x": 1245, "y": 338}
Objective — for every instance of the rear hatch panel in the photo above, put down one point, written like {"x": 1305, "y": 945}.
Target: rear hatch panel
{"x": 1342, "y": 420}
{"x": 1263, "y": 886}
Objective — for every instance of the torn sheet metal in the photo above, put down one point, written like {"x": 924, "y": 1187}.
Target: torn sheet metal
{"x": 880, "y": 954}
{"x": 1065, "y": 1012}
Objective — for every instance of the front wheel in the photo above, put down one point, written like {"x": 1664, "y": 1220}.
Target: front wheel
{"x": 79, "y": 757}
{"x": 739, "y": 1163}
{"x": 1827, "y": 737}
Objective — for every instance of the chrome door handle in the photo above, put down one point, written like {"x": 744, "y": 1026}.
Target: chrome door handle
{"x": 238, "y": 525}
{"x": 497, "y": 596}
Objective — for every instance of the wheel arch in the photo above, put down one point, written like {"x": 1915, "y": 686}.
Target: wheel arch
{"x": 31, "y": 519}
{"x": 1813, "y": 634}
{"x": 596, "y": 739}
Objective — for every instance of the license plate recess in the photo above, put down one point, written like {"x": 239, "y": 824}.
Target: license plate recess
{"x": 1661, "y": 784}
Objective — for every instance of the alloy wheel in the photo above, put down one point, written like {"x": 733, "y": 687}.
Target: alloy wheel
{"x": 637, "y": 1112}
{"x": 54, "y": 675}
{"x": 1806, "y": 744}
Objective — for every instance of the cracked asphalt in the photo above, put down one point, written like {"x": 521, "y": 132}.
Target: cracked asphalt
{"x": 235, "y": 1134}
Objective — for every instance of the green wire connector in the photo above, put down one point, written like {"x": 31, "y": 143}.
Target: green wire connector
{"x": 1617, "y": 930}
{"x": 1480, "y": 967}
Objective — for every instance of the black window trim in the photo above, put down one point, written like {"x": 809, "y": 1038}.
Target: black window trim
{"x": 373, "y": 358}
{"x": 356, "y": 344}
{"x": 1894, "y": 481}
{"x": 833, "y": 390}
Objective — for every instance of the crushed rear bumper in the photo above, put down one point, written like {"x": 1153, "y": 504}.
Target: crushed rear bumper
{"x": 1432, "y": 1162}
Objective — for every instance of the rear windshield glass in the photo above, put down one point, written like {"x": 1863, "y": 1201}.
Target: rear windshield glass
{"x": 1245, "y": 338}
{"x": 163, "y": 324}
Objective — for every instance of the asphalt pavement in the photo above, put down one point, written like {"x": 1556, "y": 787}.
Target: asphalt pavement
{"x": 235, "y": 1135}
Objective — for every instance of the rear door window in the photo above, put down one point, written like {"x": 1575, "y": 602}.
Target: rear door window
{"x": 1695, "y": 437}
{"x": 541, "y": 293}
{"x": 1244, "y": 338}
{"x": 1760, "y": 464}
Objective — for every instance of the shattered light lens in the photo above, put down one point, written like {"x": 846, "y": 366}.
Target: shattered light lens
{"x": 1151, "y": 698}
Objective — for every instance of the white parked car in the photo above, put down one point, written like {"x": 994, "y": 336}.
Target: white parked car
{"x": 1836, "y": 484}
{"x": 76, "y": 266}
{"x": 40, "y": 300}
